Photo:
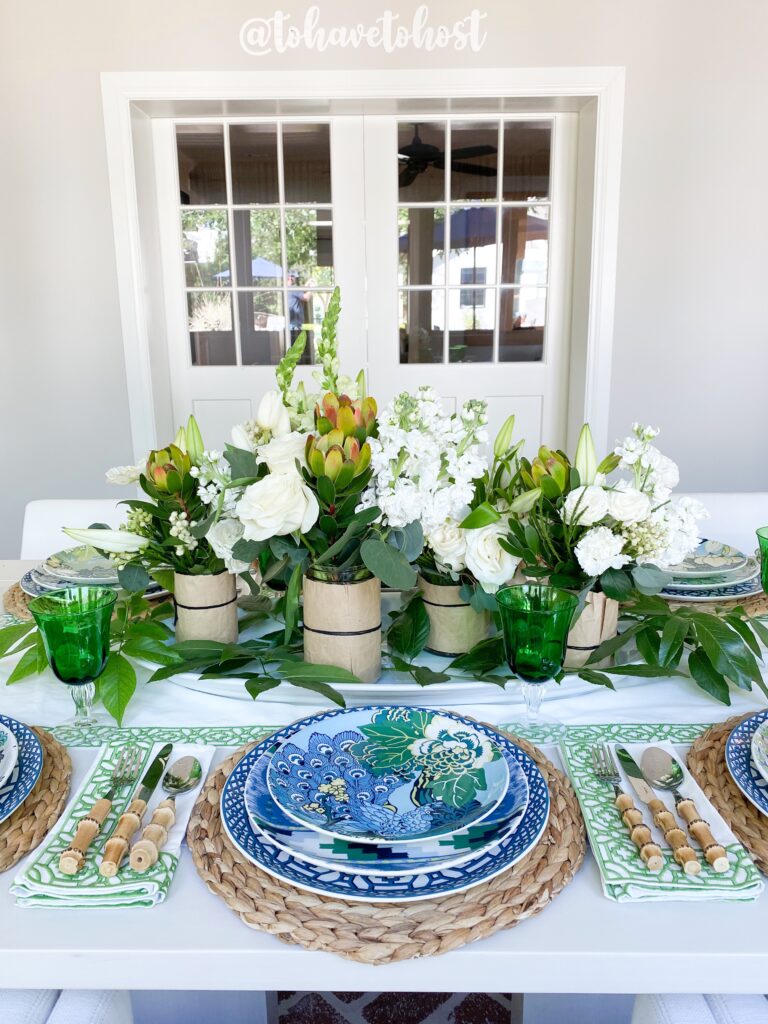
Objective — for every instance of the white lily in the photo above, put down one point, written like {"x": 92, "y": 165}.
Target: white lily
{"x": 113, "y": 541}
{"x": 586, "y": 457}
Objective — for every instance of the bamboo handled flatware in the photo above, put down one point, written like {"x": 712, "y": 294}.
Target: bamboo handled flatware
{"x": 604, "y": 768}
{"x": 182, "y": 777}
{"x": 125, "y": 772}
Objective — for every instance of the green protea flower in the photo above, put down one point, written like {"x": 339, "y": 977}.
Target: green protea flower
{"x": 340, "y": 458}
{"x": 167, "y": 468}
{"x": 550, "y": 466}
{"x": 354, "y": 419}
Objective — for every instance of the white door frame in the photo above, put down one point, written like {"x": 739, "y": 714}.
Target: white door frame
{"x": 128, "y": 96}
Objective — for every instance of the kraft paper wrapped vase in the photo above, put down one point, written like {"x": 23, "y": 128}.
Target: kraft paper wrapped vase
{"x": 342, "y": 621}
{"x": 597, "y": 623}
{"x": 206, "y": 607}
{"x": 454, "y": 626}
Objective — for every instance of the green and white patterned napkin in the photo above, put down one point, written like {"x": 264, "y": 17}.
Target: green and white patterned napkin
{"x": 41, "y": 884}
{"x": 624, "y": 876}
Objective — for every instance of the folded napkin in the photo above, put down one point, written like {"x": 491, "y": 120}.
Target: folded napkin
{"x": 41, "y": 884}
{"x": 624, "y": 876}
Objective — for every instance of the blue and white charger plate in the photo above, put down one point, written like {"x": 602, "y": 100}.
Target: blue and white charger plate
{"x": 379, "y": 888}
{"x": 739, "y": 590}
{"x": 738, "y": 758}
{"x": 355, "y": 856}
{"x": 9, "y": 753}
{"x": 36, "y": 583}
{"x": 760, "y": 749}
{"x": 26, "y": 772}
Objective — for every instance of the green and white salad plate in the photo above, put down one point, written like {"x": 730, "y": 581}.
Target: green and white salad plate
{"x": 747, "y": 574}
{"x": 711, "y": 557}
{"x": 82, "y": 564}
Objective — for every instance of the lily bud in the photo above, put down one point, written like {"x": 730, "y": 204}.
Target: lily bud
{"x": 586, "y": 457}
{"x": 195, "y": 445}
{"x": 524, "y": 502}
{"x": 504, "y": 437}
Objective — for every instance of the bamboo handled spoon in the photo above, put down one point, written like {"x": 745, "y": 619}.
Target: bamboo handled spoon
{"x": 181, "y": 777}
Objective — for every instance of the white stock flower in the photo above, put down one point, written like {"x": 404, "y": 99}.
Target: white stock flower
{"x": 272, "y": 414}
{"x": 280, "y": 454}
{"x": 125, "y": 475}
{"x": 663, "y": 474}
{"x": 449, "y": 544}
{"x": 279, "y": 504}
{"x": 586, "y": 506}
{"x": 222, "y": 537}
{"x": 600, "y": 549}
{"x": 487, "y": 560}
{"x": 627, "y": 504}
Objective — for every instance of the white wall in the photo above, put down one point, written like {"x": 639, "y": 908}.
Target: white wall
{"x": 691, "y": 350}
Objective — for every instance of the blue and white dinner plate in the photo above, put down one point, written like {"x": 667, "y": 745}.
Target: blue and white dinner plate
{"x": 748, "y": 589}
{"x": 352, "y": 855}
{"x": 381, "y": 888}
{"x": 26, "y": 772}
{"x": 760, "y": 749}
{"x": 384, "y": 774}
{"x": 36, "y": 583}
{"x": 738, "y": 758}
{"x": 9, "y": 753}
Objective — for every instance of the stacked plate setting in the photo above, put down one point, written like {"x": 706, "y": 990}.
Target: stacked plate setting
{"x": 21, "y": 761}
{"x": 714, "y": 572}
{"x": 75, "y": 567}
{"x": 746, "y": 757}
{"x": 385, "y": 804}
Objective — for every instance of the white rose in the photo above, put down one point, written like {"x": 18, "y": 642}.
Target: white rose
{"x": 487, "y": 560}
{"x": 281, "y": 453}
{"x": 281, "y": 503}
{"x": 449, "y": 543}
{"x": 241, "y": 438}
{"x": 600, "y": 549}
{"x": 628, "y": 505}
{"x": 222, "y": 537}
{"x": 272, "y": 414}
{"x": 586, "y": 506}
{"x": 125, "y": 475}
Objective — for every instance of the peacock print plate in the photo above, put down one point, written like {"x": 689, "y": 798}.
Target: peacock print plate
{"x": 357, "y": 856}
{"x": 711, "y": 556}
{"x": 380, "y": 774}
{"x": 290, "y": 868}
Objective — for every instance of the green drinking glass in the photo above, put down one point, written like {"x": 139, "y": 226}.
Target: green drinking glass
{"x": 74, "y": 624}
{"x": 535, "y": 620}
{"x": 762, "y": 540}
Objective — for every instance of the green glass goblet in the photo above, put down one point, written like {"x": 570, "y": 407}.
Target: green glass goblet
{"x": 74, "y": 624}
{"x": 535, "y": 620}
{"x": 762, "y": 540}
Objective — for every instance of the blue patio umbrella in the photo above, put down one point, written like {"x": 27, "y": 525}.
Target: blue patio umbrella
{"x": 260, "y": 268}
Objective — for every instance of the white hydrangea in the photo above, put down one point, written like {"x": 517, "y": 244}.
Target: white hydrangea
{"x": 600, "y": 549}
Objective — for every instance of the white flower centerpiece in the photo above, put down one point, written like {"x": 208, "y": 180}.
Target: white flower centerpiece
{"x": 604, "y": 536}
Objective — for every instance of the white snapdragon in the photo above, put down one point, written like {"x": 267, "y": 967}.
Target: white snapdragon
{"x": 586, "y": 506}
{"x": 487, "y": 560}
{"x": 600, "y": 549}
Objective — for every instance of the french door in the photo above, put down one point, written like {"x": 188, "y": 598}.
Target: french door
{"x": 449, "y": 237}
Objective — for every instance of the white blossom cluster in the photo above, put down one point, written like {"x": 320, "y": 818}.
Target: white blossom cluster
{"x": 212, "y": 475}
{"x": 181, "y": 529}
{"x": 634, "y": 521}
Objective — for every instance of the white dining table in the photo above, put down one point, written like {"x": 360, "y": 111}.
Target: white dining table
{"x": 581, "y": 943}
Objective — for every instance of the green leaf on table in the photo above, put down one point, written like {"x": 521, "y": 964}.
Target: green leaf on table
{"x": 409, "y": 631}
{"x": 26, "y": 666}
{"x": 672, "y": 636}
{"x": 649, "y": 579}
{"x": 146, "y": 627}
{"x": 458, "y": 790}
{"x": 388, "y": 564}
{"x": 761, "y": 628}
{"x": 317, "y": 687}
{"x": 726, "y": 650}
{"x": 324, "y": 673}
{"x": 291, "y": 605}
{"x": 117, "y": 684}
{"x": 148, "y": 649}
{"x": 742, "y": 627}
{"x": 616, "y": 584}
{"x": 648, "y": 644}
{"x": 483, "y": 658}
{"x": 426, "y": 676}
{"x": 644, "y": 671}
{"x": 484, "y": 515}
{"x": 590, "y": 675}
{"x": 11, "y": 635}
{"x": 707, "y": 677}
{"x": 260, "y": 684}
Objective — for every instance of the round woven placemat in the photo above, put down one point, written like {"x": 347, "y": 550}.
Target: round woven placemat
{"x": 753, "y": 606}
{"x": 379, "y": 933}
{"x": 706, "y": 761}
{"x": 16, "y": 602}
{"x": 31, "y": 823}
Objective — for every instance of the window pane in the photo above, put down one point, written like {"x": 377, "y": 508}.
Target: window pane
{"x": 524, "y": 245}
{"x": 306, "y": 310}
{"x": 307, "y": 163}
{"x": 522, "y": 317}
{"x": 211, "y": 336}
{"x": 262, "y": 327}
{"x": 258, "y": 252}
{"x": 421, "y": 162}
{"x": 526, "y": 159}
{"x": 474, "y": 160}
{"x": 309, "y": 245}
{"x": 253, "y": 155}
{"x": 205, "y": 237}
{"x": 422, "y": 318}
{"x": 471, "y": 319}
{"x": 421, "y": 245}
{"x": 200, "y": 150}
{"x": 473, "y": 243}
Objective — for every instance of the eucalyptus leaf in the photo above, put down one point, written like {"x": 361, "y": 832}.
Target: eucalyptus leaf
{"x": 615, "y": 583}
{"x": 389, "y": 565}
{"x": 649, "y": 579}
{"x": 134, "y": 578}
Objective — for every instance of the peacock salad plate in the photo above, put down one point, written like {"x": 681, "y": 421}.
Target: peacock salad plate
{"x": 709, "y": 557}
{"x": 740, "y": 763}
{"x": 381, "y": 773}
{"x": 290, "y": 868}
{"x": 355, "y": 856}
{"x": 25, "y": 773}
{"x": 750, "y": 572}
{"x": 83, "y": 564}
{"x": 9, "y": 753}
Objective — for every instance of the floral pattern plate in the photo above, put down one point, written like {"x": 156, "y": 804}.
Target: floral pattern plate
{"x": 380, "y": 774}
{"x": 82, "y": 564}
{"x": 382, "y": 888}
{"x": 750, "y": 572}
{"x": 759, "y": 748}
{"x": 738, "y": 758}
{"x": 748, "y": 589}
{"x": 392, "y": 858}
{"x": 711, "y": 556}
{"x": 29, "y": 763}
{"x": 9, "y": 753}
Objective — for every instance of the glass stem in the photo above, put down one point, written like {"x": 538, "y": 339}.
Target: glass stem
{"x": 83, "y": 695}
{"x": 532, "y": 695}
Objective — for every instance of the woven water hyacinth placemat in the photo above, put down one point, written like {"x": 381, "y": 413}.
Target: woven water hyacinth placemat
{"x": 706, "y": 761}
{"x": 31, "y": 823}
{"x": 753, "y": 606}
{"x": 379, "y": 933}
{"x": 16, "y": 602}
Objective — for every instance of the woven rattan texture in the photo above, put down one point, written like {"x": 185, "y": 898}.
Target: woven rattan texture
{"x": 16, "y": 602}
{"x": 379, "y": 933}
{"x": 30, "y": 824}
{"x": 706, "y": 761}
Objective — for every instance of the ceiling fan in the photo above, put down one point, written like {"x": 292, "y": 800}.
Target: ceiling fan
{"x": 417, "y": 156}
